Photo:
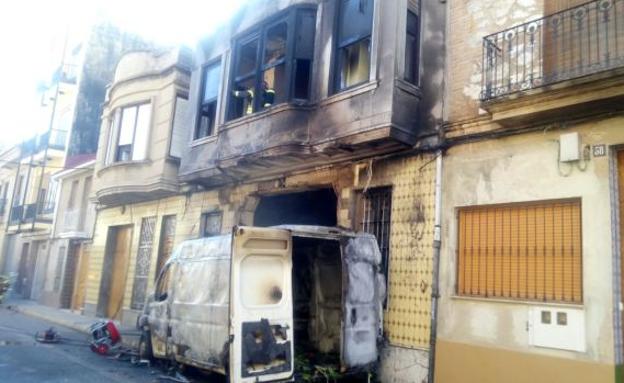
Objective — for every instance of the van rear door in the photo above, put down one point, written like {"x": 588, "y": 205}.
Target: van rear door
{"x": 363, "y": 296}
{"x": 261, "y": 309}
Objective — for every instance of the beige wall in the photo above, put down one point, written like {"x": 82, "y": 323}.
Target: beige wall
{"x": 518, "y": 169}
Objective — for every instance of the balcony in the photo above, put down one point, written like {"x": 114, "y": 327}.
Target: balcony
{"x": 578, "y": 50}
{"x": 33, "y": 212}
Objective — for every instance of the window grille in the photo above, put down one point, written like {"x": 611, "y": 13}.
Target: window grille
{"x": 143, "y": 261}
{"x": 376, "y": 207}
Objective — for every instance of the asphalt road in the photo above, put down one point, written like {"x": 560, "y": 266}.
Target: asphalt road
{"x": 22, "y": 359}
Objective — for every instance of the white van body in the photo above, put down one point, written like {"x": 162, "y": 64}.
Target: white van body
{"x": 245, "y": 303}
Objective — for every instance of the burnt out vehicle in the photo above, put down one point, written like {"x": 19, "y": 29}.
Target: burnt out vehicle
{"x": 252, "y": 304}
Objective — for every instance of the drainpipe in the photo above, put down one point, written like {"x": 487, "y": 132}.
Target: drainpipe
{"x": 435, "y": 285}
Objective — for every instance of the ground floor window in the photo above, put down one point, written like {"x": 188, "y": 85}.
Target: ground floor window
{"x": 374, "y": 216}
{"x": 528, "y": 251}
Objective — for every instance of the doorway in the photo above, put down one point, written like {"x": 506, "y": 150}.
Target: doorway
{"x": 113, "y": 282}
{"x": 314, "y": 207}
{"x": 23, "y": 278}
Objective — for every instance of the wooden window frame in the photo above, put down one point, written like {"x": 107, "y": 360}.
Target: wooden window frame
{"x": 523, "y": 293}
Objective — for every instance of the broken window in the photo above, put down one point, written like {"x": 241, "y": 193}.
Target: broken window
{"x": 412, "y": 48}
{"x": 208, "y": 108}
{"x": 133, "y": 124}
{"x": 374, "y": 216}
{"x": 210, "y": 224}
{"x": 354, "y": 29}
{"x": 269, "y": 67}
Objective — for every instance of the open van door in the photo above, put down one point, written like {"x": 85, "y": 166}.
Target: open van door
{"x": 364, "y": 292}
{"x": 261, "y": 308}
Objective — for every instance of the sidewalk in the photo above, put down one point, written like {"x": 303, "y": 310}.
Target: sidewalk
{"x": 69, "y": 319}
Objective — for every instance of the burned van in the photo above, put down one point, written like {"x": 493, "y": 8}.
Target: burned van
{"x": 253, "y": 304}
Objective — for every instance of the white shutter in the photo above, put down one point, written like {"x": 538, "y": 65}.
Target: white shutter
{"x": 141, "y": 133}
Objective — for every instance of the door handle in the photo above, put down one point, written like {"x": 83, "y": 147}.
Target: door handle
{"x": 353, "y": 316}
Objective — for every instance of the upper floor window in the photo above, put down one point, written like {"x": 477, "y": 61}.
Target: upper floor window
{"x": 129, "y": 133}
{"x": 412, "y": 48}
{"x": 209, "y": 95}
{"x": 273, "y": 64}
{"x": 353, "y": 43}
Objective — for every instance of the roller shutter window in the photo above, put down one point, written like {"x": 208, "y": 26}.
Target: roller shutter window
{"x": 528, "y": 251}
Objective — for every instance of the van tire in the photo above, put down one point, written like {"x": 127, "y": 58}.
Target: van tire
{"x": 145, "y": 345}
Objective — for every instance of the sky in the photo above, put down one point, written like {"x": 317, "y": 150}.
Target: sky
{"x": 32, "y": 34}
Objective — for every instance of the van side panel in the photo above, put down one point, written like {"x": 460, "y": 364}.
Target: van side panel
{"x": 199, "y": 303}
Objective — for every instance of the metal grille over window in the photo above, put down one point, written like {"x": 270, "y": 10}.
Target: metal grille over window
{"x": 375, "y": 219}
{"x": 143, "y": 261}
{"x": 526, "y": 251}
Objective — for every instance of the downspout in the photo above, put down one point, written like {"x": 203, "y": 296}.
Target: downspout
{"x": 435, "y": 284}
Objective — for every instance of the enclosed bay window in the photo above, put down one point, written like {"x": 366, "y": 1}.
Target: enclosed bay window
{"x": 272, "y": 64}
{"x": 210, "y": 93}
{"x": 129, "y": 133}
{"x": 412, "y": 48}
{"x": 353, "y": 43}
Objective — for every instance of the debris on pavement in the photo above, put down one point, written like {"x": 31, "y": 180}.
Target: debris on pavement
{"x": 178, "y": 377}
{"x": 106, "y": 338}
{"x": 48, "y": 336}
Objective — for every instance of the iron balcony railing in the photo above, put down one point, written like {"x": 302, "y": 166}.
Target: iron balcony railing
{"x": 569, "y": 44}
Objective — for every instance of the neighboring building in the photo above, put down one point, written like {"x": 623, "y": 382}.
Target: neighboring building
{"x": 32, "y": 211}
{"x": 531, "y": 272}
{"x": 135, "y": 180}
{"x": 9, "y": 160}
{"x": 74, "y": 220}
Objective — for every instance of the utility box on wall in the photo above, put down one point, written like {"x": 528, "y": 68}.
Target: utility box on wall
{"x": 569, "y": 147}
{"x": 557, "y": 327}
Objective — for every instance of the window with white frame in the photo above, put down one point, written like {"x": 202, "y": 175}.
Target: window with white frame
{"x": 129, "y": 133}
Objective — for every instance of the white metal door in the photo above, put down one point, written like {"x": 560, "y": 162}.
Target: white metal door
{"x": 261, "y": 308}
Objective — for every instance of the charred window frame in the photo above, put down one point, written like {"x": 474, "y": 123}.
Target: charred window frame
{"x": 210, "y": 224}
{"x": 412, "y": 47}
{"x": 208, "y": 100}
{"x": 273, "y": 64}
{"x": 353, "y": 36}
{"x": 374, "y": 216}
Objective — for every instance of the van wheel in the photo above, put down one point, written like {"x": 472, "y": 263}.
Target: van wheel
{"x": 145, "y": 346}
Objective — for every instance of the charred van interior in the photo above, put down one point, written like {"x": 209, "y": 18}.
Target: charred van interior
{"x": 317, "y": 300}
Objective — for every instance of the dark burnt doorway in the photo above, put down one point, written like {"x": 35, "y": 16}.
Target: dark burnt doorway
{"x": 314, "y": 207}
